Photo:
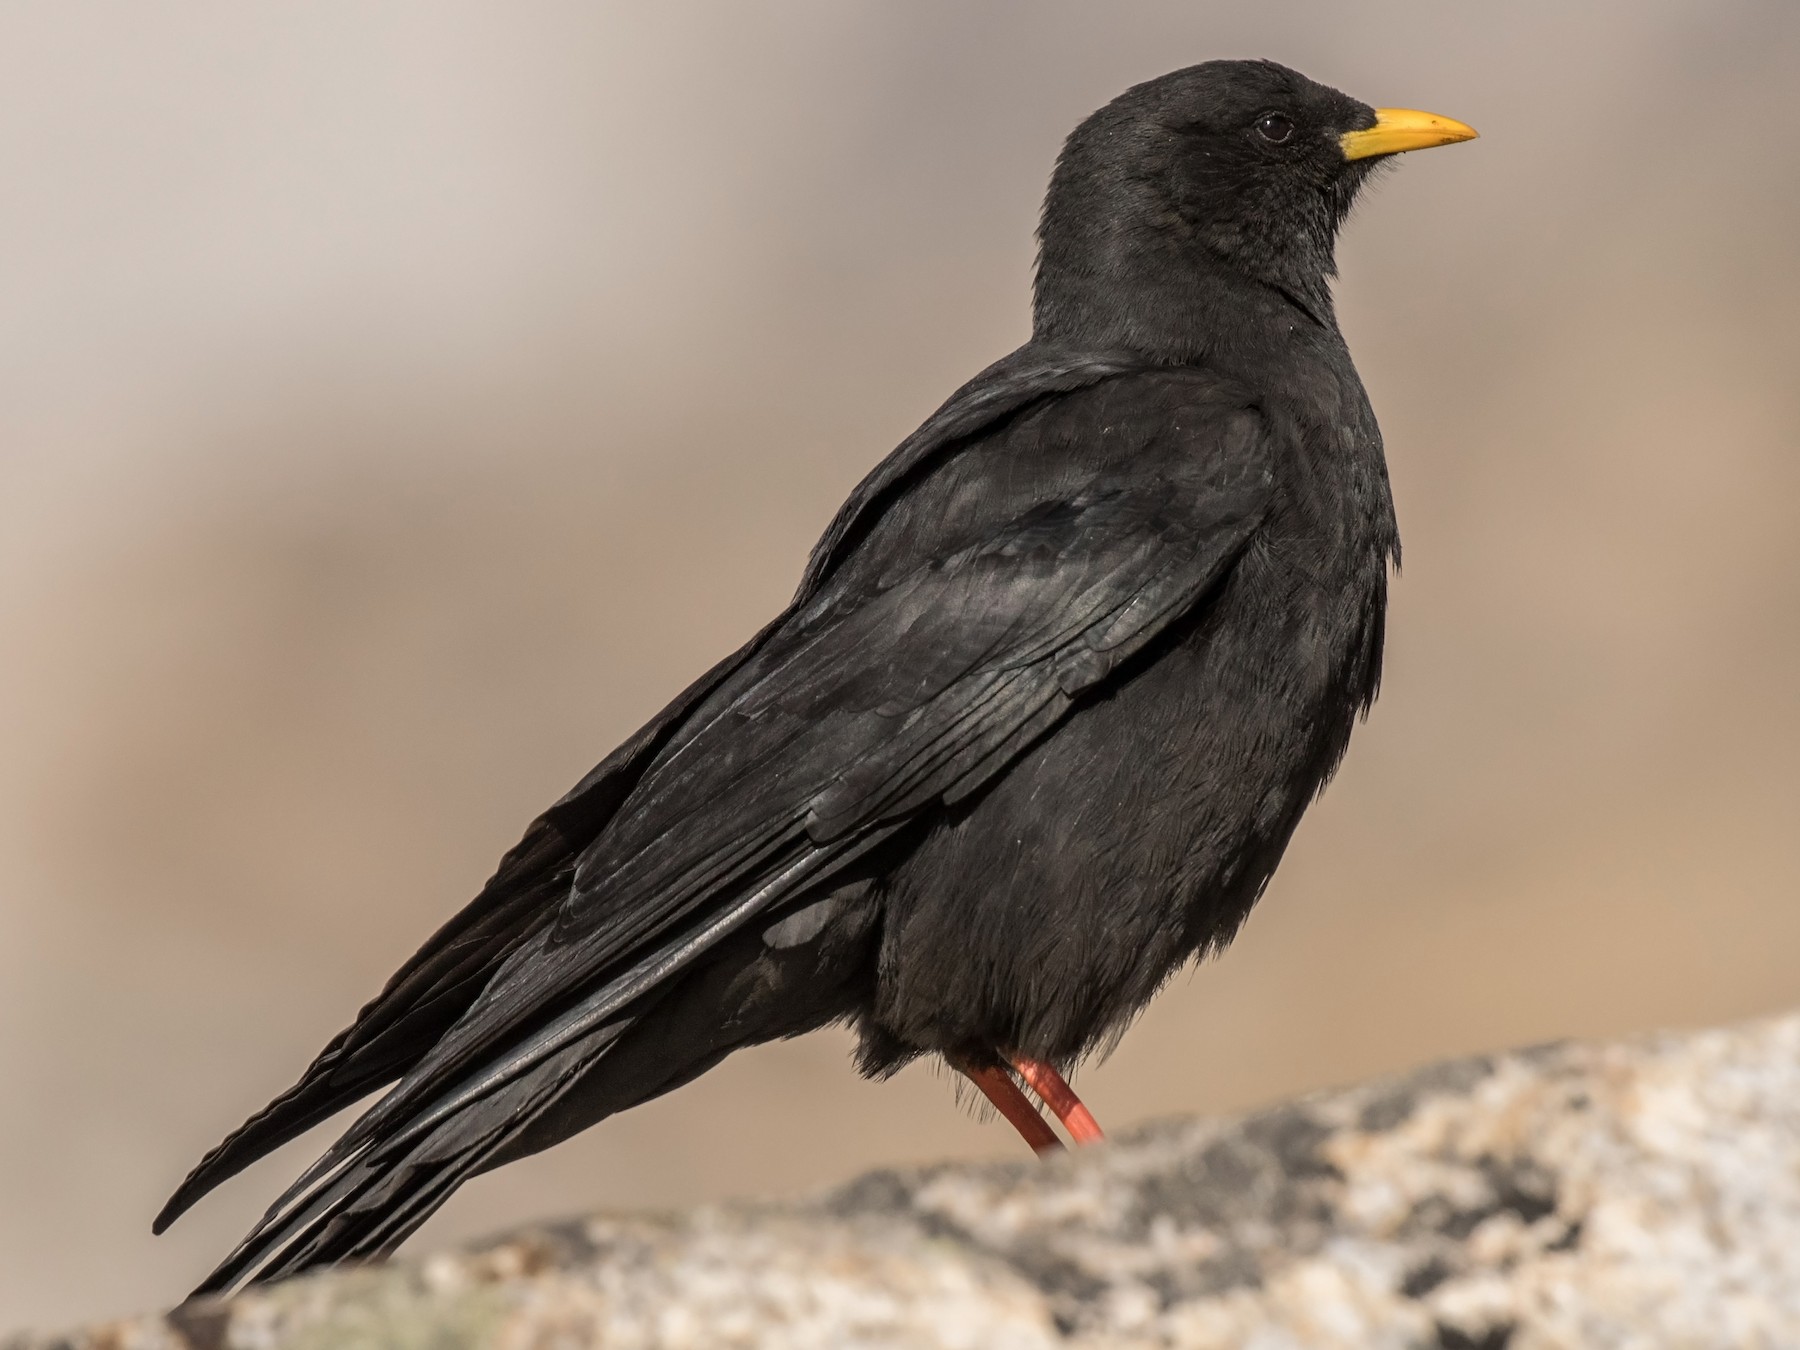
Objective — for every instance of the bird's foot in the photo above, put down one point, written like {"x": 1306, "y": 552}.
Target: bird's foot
{"x": 997, "y": 1086}
{"x": 1052, "y": 1089}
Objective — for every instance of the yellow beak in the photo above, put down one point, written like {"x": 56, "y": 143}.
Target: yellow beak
{"x": 1400, "y": 129}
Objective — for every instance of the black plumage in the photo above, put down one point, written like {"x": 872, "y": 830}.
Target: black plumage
{"x": 1056, "y": 687}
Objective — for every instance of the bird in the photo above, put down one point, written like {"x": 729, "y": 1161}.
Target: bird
{"x": 1057, "y": 684}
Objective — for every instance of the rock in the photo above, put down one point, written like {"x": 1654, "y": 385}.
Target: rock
{"x": 1642, "y": 1194}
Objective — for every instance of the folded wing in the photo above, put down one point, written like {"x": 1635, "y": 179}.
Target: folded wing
{"x": 988, "y": 597}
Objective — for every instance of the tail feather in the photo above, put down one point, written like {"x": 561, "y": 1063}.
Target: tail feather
{"x": 371, "y": 1202}
{"x": 391, "y": 1034}
{"x": 397, "y": 1164}
{"x": 361, "y": 1198}
{"x": 433, "y": 990}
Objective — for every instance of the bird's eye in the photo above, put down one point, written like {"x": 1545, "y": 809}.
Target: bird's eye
{"x": 1275, "y": 128}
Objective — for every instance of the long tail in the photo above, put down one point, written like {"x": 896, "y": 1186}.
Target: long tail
{"x": 362, "y": 1206}
{"x": 430, "y": 994}
{"x": 655, "y": 1026}
{"x": 390, "y": 1035}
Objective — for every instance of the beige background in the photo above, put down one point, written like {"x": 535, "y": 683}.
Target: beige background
{"x": 399, "y": 402}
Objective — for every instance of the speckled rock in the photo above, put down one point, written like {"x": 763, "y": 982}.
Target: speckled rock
{"x": 1575, "y": 1197}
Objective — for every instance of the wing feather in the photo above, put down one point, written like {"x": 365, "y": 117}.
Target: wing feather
{"x": 888, "y": 689}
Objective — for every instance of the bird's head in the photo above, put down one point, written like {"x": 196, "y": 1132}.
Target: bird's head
{"x": 1191, "y": 186}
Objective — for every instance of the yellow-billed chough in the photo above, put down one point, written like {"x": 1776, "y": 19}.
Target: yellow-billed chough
{"x": 1057, "y": 684}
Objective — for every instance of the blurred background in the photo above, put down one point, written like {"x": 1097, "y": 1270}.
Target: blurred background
{"x": 400, "y": 402}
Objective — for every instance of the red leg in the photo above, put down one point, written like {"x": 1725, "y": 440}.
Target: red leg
{"x": 997, "y": 1086}
{"x": 1056, "y": 1094}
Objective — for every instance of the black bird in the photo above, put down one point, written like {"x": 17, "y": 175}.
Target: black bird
{"x": 1055, "y": 689}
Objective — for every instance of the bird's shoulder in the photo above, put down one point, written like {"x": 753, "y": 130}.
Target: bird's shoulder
{"x": 1178, "y": 441}
{"x": 1029, "y": 421}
